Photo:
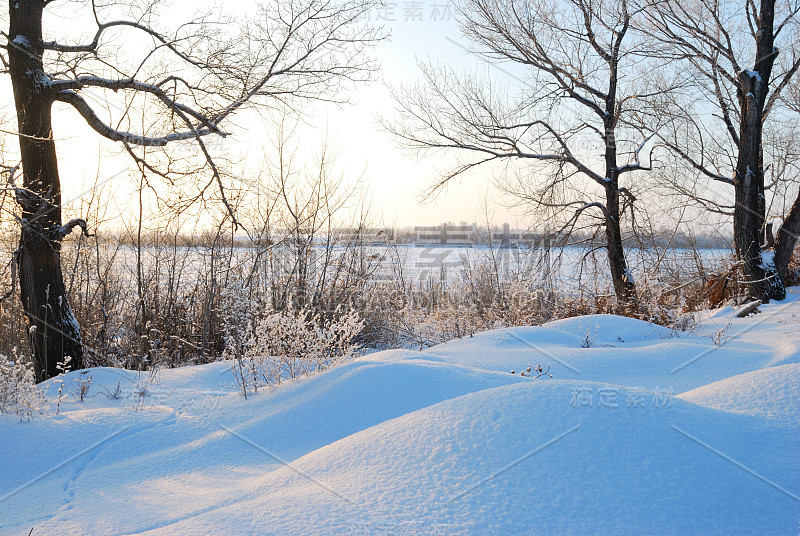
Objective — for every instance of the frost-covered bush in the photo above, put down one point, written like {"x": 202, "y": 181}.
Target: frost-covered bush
{"x": 238, "y": 311}
{"x": 19, "y": 394}
{"x": 291, "y": 343}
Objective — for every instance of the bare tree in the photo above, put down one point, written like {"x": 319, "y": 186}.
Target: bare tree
{"x": 719, "y": 40}
{"x": 172, "y": 82}
{"x": 570, "y": 124}
{"x": 318, "y": 219}
{"x": 787, "y": 235}
{"x": 786, "y": 239}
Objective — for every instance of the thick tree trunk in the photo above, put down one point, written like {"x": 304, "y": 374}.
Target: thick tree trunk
{"x": 764, "y": 283}
{"x": 52, "y": 328}
{"x": 787, "y": 239}
{"x": 624, "y": 284}
{"x": 747, "y": 218}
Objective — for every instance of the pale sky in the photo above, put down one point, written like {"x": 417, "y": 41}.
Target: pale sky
{"x": 419, "y": 30}
{"x": 395, "y": 179}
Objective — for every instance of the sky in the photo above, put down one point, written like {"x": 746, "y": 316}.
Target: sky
{"x": 394, "y": 179}
{"x": 420, "y": 31}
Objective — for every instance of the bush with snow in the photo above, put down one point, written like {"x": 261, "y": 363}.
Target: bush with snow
{"x": 291, "y": 343}
{"x": 19, "y": 394}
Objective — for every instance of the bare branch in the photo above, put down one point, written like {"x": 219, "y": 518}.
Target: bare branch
{"x": 637, "y": 165}
{"x": 67, "y": 228}
{"x": 77, "y": 102}
{"x": 209, "y": 124}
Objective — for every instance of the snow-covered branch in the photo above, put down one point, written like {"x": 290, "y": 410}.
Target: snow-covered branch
{"x": 67, "y": 228}
{"x": 209, "y": 124}
{"x": 637, "y": 164}
{"x": 83, "y": 108}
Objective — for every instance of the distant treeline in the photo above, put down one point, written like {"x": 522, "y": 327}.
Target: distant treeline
{"x": 480, "y": 237}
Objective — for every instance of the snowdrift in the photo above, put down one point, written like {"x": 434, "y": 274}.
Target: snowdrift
{"x": 641, "y": 430}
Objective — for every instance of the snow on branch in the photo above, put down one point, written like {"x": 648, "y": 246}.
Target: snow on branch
{"x": 302, "y": 51}
{"x": 699, "y": 166}
{"x": 595, "y": 204}
{"x": 83, "y": 108}
{"x": 637, "y": 165}
{"x": 132, "y": 84}
{"x": 67, "y": 228}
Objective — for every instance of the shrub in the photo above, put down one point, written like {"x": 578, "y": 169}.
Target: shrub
{"x": 19, "y": 394}
{"x": 291, "y": 343}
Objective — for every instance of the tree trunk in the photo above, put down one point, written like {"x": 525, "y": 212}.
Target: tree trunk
{"x": 787, "y": 238}
{"x": 624, "y": 284}
{"x": 763, "y": 280}
{"x": 52, "y": 328}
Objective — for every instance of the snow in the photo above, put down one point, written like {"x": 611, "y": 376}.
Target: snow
{"x": 753, "y": 74}
{"x": 629, "y": 277}
{"x": 768, "y": 260}
{"x": 22, "y": 40}
{"x": 642, "y": 430}
{"x": 772, "y": 393}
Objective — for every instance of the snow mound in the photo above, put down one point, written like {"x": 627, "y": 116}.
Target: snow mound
{"x": 773, "y": 393}
{"x": 612, "y": 349}
{"x": 522, "y": 459}
{"x": 642, "y": 430}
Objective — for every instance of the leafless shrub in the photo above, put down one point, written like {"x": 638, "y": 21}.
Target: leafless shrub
{"x": 19, "y": 394}
{"x": 293, "y": 343}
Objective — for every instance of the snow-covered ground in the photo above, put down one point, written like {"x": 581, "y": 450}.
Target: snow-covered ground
{"x": 646, "y": 431}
